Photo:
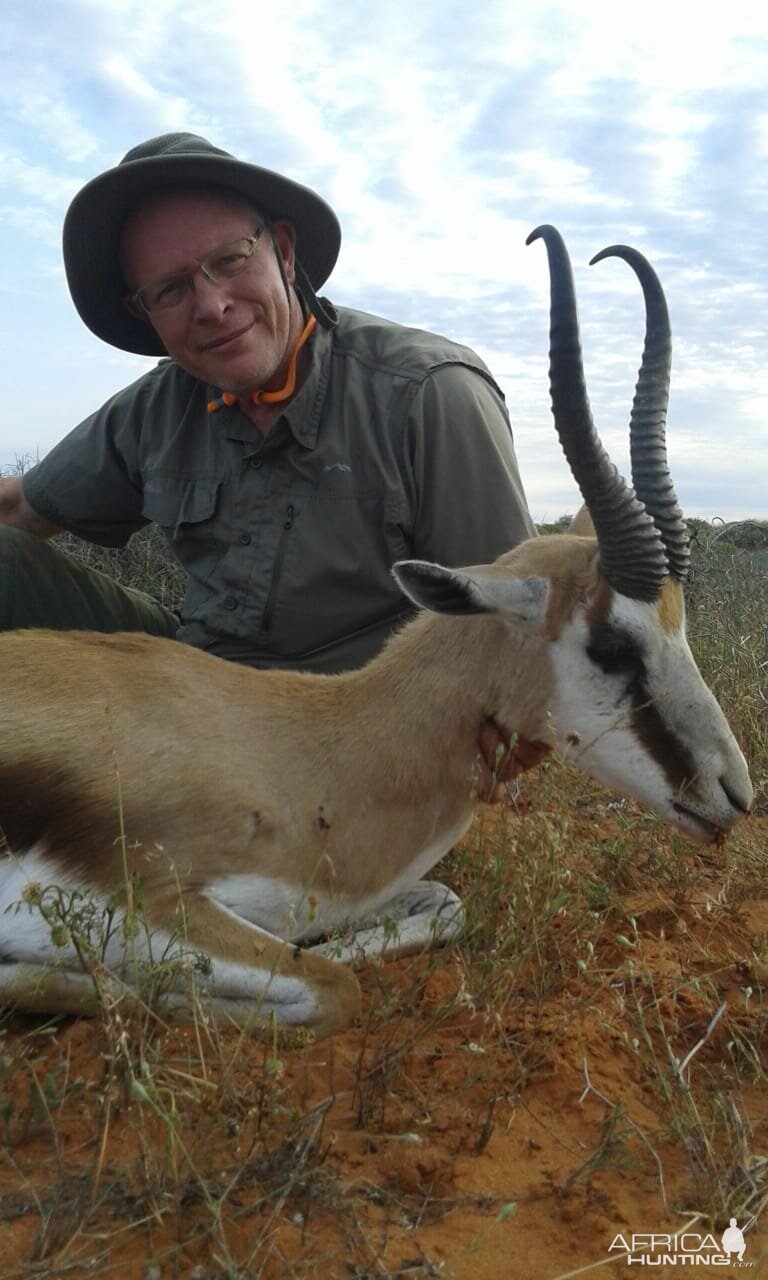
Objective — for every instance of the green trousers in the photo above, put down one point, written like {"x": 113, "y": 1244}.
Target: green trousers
{"x": 41, "y": 586}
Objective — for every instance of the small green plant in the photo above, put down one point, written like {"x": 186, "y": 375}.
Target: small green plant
{"x": 30, "y": 1098}
{"x": 113, "y": 944}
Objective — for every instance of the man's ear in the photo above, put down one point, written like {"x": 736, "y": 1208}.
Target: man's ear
{"x": 134, "y": 309}
{"x": 284, "y": 240}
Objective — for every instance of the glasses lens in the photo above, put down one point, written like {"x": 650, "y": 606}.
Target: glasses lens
{"x": 226, "y": 261}
{"x": 229, "y": 259}
{"x": 164, "y": 294}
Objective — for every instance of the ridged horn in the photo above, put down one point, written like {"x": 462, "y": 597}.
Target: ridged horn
{"x": 631, "y": 550}
{"x": 647, "y": 425}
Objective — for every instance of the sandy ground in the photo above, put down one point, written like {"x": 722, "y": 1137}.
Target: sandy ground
{"x": 449, "y": 1135}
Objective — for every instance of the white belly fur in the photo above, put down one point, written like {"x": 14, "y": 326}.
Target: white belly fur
{"x": 283, "y": 909}
{"x": 25, "y": 935}
{"x": 298, "y": 912}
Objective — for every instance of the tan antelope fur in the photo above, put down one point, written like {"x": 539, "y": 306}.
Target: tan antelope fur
{"x": 258, "y": 810}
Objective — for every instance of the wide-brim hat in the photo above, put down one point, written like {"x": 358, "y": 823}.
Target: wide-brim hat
{"x": 96, "y": 215}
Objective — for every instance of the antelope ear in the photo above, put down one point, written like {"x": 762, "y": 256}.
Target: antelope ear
{"x": 581, "y": 524}
{"x": 485, "y": 589}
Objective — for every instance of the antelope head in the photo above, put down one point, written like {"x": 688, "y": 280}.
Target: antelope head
{"x": 624, "y": 697}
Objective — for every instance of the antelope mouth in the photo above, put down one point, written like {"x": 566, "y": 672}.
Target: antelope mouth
{"x": 706, "y": 830}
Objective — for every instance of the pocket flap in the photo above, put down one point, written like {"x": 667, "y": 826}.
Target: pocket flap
{"x": 172, "y": 502}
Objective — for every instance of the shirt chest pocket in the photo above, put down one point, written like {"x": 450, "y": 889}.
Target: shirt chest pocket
{"x": 191, "y": 514}
{"x": 331, "y": 576}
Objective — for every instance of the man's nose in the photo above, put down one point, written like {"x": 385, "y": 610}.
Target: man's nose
{"x": 209, "y": 296}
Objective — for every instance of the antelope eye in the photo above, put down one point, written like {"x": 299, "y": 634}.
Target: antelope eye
{"x": 614, "y": 651}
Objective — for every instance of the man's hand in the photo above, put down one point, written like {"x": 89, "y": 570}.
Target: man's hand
{"x": 16, "y": 512}
{"x": 506, "y": 757}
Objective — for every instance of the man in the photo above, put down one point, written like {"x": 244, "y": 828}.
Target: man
{"x": 290, "y": 451}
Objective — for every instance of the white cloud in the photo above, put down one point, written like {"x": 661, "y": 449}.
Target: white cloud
{"x": 441, "y": 134}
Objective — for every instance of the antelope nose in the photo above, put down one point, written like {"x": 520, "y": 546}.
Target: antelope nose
{"x": 739, "y": 792}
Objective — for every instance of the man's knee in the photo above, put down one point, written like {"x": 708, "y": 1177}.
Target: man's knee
{"x": 43, "y": 586}
{"x": 13, "y": 552}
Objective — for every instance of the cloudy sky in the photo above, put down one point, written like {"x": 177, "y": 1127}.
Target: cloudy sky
{"x": 442, "y": 132}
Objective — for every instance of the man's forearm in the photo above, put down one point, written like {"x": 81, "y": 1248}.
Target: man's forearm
{"x": 16, "y": 512}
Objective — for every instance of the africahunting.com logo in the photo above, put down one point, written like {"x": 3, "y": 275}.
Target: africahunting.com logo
{"x": 689, "y": 1249}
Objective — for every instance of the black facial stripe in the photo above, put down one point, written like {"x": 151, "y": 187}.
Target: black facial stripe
{"x": 616, "y": 652}
{"x": 662, "y": 744}
{"x": 613, "y": 650}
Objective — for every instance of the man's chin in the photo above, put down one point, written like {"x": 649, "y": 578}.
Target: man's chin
{"x": 238, "y": 382}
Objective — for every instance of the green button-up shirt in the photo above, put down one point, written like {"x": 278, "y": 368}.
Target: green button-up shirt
{"x": 397, "y": 445}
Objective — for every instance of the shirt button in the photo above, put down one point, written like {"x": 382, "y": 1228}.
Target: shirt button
{"x": 244, "y": 539}
{"x": 256, "y": 463}
{"x": 230, "y": 602}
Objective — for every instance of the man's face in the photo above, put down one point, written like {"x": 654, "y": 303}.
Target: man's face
{"x": 236, "y": 334}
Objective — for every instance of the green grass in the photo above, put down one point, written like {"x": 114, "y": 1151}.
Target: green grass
{"x": 727, "y": 601}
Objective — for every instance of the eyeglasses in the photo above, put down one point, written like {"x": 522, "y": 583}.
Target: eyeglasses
{"x": 222, "y": 263}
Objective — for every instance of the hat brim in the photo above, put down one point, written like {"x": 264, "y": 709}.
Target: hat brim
{"x": 95, "y": 217}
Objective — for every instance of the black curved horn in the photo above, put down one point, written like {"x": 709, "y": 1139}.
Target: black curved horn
{"x": 631, "y": 550}
{"x": 647, "y": 423}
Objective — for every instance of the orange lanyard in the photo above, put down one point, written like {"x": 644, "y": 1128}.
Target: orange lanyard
{"x": 272, "y": 397}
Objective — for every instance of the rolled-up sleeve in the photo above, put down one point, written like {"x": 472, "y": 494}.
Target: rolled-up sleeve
{"x": 467, "y": 495}
{"x": 90, "y": 483}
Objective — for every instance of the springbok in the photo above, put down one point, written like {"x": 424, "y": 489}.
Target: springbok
{"x": 263, "y": 810}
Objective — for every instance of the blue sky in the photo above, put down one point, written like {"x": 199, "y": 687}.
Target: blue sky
{"x": 442, "y": 133}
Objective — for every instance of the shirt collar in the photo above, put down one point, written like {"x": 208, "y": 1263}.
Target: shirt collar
{"x": 304, "y": 411}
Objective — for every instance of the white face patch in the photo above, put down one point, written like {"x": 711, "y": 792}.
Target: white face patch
{"x": 592, "y": 716}
{"x": 603, "y": 677}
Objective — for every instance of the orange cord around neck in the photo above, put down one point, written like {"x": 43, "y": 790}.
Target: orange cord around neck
{"x": 272, "y": 397}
